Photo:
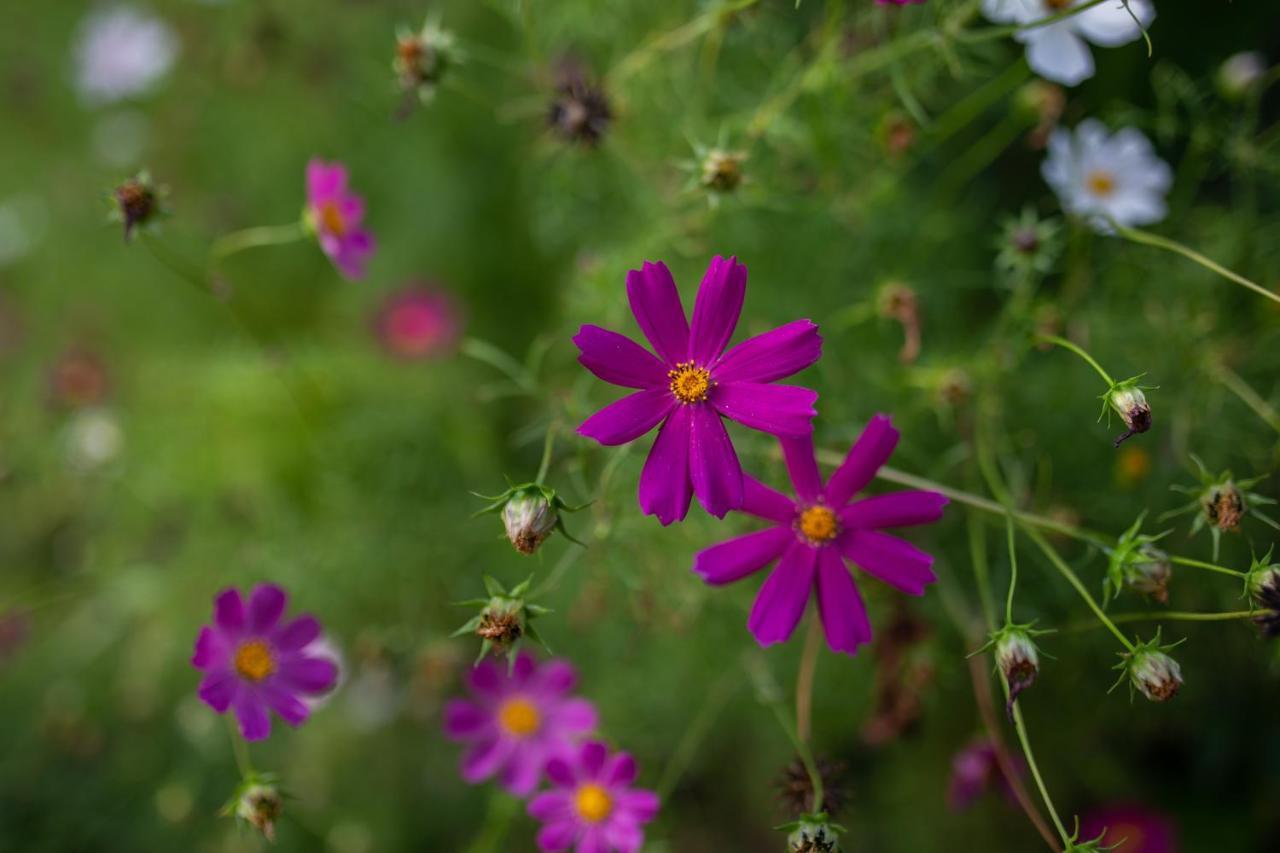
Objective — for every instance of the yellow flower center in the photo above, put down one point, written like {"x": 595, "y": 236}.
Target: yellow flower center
{"x": 593, "y": 803}
{"x": 519, "y": 717}
{"x": 689, "y": 382}
{"x": 331, "y": 220}
{"x": 1100, "y": 183}
{"x": 819, "y": 524}
{"x": 254, "y": 661}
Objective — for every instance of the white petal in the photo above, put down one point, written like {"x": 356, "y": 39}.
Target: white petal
{"x": 1006, "y": 11}
{"x": 1109, "y": 24}
{"x": 1058, "y": 54}
{"x": 1137, "y": 207}
{"x": 1059, "y": 168}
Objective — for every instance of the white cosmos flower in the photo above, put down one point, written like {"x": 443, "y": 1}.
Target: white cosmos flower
{"x": 1060, "y": 51}
{"x": 122, "y": 52}
{"x": 1098, "y": 174}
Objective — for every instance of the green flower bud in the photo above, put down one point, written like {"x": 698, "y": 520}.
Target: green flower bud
{"x": 721, "y": 171}
{"x": 1131, "y": 404}
{"x": 530, "y": 513}
{"x": 1151, "y": 671}
{"x": 505, "y": 618}
{"x": 258, "y": 802}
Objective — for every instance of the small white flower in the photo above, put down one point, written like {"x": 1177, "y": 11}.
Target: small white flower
{"x": 1240, "y": 73}
{"x": 122, "y": 52}
{"x": 94, "y": 438}
{"x": 1097, "y": 174}
{"x": 1060, "y": 51}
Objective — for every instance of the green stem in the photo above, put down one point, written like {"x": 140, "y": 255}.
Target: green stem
{"x": 174, "y": 264}
{"x": 1020, "y": 726}
{"x": 1013, "y": 570}
{"x": 1200, "y": 564}
{"x": 547, "y": 447}
{"x": 1251, "y": 398}
{"x": 981, "y": 571}
{"x": 1074, "y": 580}
{"x": 1163, "y": 615}
{"x": 684, "y": 750}
{"x": 239, "y": 748}
{"x": 249, "y": 238}
{"x": 1146, "y": 238}
{"x": 503, "y": 809}
{"x": 1066, "y": 344}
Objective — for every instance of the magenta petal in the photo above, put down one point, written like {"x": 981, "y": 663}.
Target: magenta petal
{"x": 556, "y": 677}
{"x": 844, "y": 616}
{"x": 618, "y": 359}
{"x": 561, "y": 772}
{"x": 266, "y": 604}
{"x": 353, "y": 252}
{"x": 774, "y": 355}
{"x": 298, "y": 633}
{"x": 228, "y": 612}
{"x": 485, "y": 758}
{"x": 736, "y": 558}
{"x": 665, "y": 486}
{"x": 324, "y": 181}
{"x": 212, "y": 650}
{"x": 577, "y": 716}
{"x": 308, "y": 675}
{"x": 763, "y": 502}
{"x": 522, "y": 772}
{"x": 251, "y": 711}
{"x": 713, "y": 464}
{"x": 872, "y": 449}
{"x": 218, "y": 690}
{"x": 623, "y": 836}
{"x": 551, "y": 806}
{"x": 557, "y": 837}
{"x": 351, "y": 209}
{"x": 717, "y": 308}
{"x": 656, "y": 306}
{"x": 487, "y": 678}
{"x": 620, "y": 770}
{"x": 464, "y": 720}
{"x": 890, "y": 559}
{"x": 782, "y": 410}
{"x": 592, "y": 759}
{"x": 592, "y": 840}
{"x": 629, "y": 418}
{"x": 803, "y": 467}
{"x": 780, "y": 603}
{"x": 642, "y": 805}
{"x": 898, "y": 509}
{"x": 525, "y": 668}
{"x": 288, "y": 706}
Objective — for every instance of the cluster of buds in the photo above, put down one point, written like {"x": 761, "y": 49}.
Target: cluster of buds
{"x": 580, "y": 111}
{"x": 1137, "y": 563}
{"x": 1128, "y": 401}
{"x": 813, "y": 833}
{"x": 530, "y": 513}
{"x": 423, "y": 58}
{"x": 1151, "y": 671}
{"x": 505, "y": 618}
{"x": 1221, "y": 503}
{"x": 1017, "y": 658}
{"x": 137, "y": 203}
{"x": 258, "y": 802}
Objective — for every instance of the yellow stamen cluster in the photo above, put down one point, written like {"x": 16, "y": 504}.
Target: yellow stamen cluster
{"x": 819, "y": 524}
{"x": 1100, "y": 182}
{"x": 592, "y": 803}
{"x": 689, "y": 383}
{"x": 331, "y": 219}
{"x": 253, "y": 660}
{"x": 519, "y": 717}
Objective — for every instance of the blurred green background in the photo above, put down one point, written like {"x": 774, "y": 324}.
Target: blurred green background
{"x": 268, "y": 436}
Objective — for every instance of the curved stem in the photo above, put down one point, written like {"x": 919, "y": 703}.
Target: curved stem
{"x": 1251, "y": 398}
{"x": 804, "y": 678}
{"x": 1074, "y": 580}
{"x": 1013, "y": 570}
{"x": 1066, "y": 344}
{"x": 1170, "y": 615}
{"x": 547, "y": 446}
{"x": 249, "y": 238}
{"x": 1020, "y": 727}
{"x": 1200, "y": 564}
{"x": 1146, "y": 238}
{"x": 501, "y": 361}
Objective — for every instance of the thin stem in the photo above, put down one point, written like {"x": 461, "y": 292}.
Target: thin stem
{"x": 1200, "y": 564}
{"x": 1251, "y": 398}
{"x": 249, "y": 238}
{"x": 769, "y": 694}
{"x": 1074, "y": 580}
{"x": 1020, "y": 727}
{"x": 239, "y": 748}
{"x": 1170, "y": 615}
{"x": 1066, "y": 344}
{"x": 174, "y": 264}
{"x": 804, "y": 678}
{"x": 547, "y": 446}
{"x": 1146, "y": 238}
{"x": 496, "y": 358}
{"x": 1013, "y": 570}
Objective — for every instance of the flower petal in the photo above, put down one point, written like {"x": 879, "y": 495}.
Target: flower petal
{"x": 1056, "y": 53}
{"x": 557, "y": 837}
{"x": 523, "y": 772}
{"x": 292, "y": 710}
{"x": 713, "y": 465}
{"x": 212, "y": 650}
{"x": 736, "y": 558}
{"x": 844, "y": 616}
{"x": 656, "y": 306}
{"x": 464, "y": 720}
{"x": 1112, "y": 24}
{"x": 619, "y": 771}
{"x": 665, "y": 485}
{"x": 617, "y": 359}
{"x": 642, "y": 805}
{"x": 266, "y": 604}
{"x": 629, "y": 418}
{"x": 591, "y": 759}
{"x": 228, "y": 612}
{"x": 890, "y": 559}
{"x": 550, "y": 806}
{"x": 782, "y": 410}
{"x": 773, "y": 355}
{"x": 717, "y": 308}
{"x": 872, "y": 449}
{"x": 592, "y": 840}
{"x": 897, "y": 509}
{"x": 780, "y": 603}
{"x": 623, "y": 836}
{"x": 488, "y": 679}
{"x": 763, "y": 502}
{"x": 325, "y": 181}
{"x": 803, "y": 467}
{"x": 562, "y": 772}
{"x": 219, "y": 689}
{"x": 308, "y": 675}
{"x": 485, "y": 758}
{"x": 251, "y": 711}
{"x": 577, "y": 716}
{"x": 298, "y": 633}
{"x": 556, "y": 677}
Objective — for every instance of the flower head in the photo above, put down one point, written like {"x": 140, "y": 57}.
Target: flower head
{"x": 530, "y": 513}
{"x": 1151, "y": 671}
{"x": 1060, "y": 51}
{"x": 122, "y": 52}
{"x": 1131, "y": 828}
{"x": 693, "y": 383}
{"x": 813, "y": 535}
{"x": 423, "y": 58}
{"x": 1028, "y": 244}
{"x": 1137, "y": 563}
{"x": 517, "y": 719}
{"x": 1102, "y": 176}
{"x": 1018, "y": 659}
{"x": 1221, "y": 503}
{"x": 975, "y": 770}
{"x": 813, "y": 833}
{"x": 1263, "y": 577}
{"x": 137, "y": 203}
{"x": 505, "y": 618}
{"x": 418, "y": 322}
{"x": 258, "y": 802}
{"x": 254, "y": 663}
{"x": 580, "y": 110}
{"x": 333, "y": 214}
{"x": 592, "y": 806}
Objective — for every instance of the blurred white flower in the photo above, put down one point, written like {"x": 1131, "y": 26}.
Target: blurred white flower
{"x": 22, "y": 226}
{"x": 122, "y": 52}
{"x": 94, "y": 438}
{"x": 1060, "y": 51}
{"x": 1240, "y": 73}
{"x": 1098, "y": 174}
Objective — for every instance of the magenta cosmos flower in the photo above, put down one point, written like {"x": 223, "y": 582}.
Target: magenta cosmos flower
{"x": 1134, "y": 828}
{"x": 592, "y": 806}
{"x": 418, "y": 322}
{"x": 334, "y": 214}
{"x": 692, "y": 383}
{"x": 815, "y": 533}
{"x": 254, "y": 663}
{"x": 517, "y": 721}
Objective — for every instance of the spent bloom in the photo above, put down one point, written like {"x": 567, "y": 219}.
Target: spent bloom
{"x": 1137, "y": 563}
{"x": 419, "y": 322}
{"x": 579, "y": 111}
{"x": 592, "y": 806}
{"x": 333, "y": 214}
{"x": 1100, "y": 175}
{"x": 692, "y": 383}
{"x": 517, "y": 720}
{"x": 1018, "y": 659}
{"x": 423, "y": 58}
{"x": 1060, "y": 51}
{"x": 122, "y": 52}
{"x": 813, "y": 535}
{"x": 257, "y": 802}
{"x": 254, "y": 663}
{"x": 137, "y": 203}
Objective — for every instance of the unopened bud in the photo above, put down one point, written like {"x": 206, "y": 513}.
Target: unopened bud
{"x": 1018, "y": 659}
{"x": 529, "y": 520}
{"x": 721, "y": 171}
{"x": 1153, "y": 673}
{"x": 1150, "y": 573}
{"x": 505, "y": 618}
{"x": 1240, "y": 73}
{"x": 1132, "y": 406}
{"x": 813, "y": 834}
{"x": 137, "y": 203}
{"x": 1263, "y": 577}
{"x": 261, "y": 806}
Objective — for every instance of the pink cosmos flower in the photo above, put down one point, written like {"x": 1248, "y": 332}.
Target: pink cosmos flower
{"x": 516, "y": 722}
{"x": 815, "y": 533}
{"x": 418, "y": 322}
{"x": 1134, "y": 828}
{"x": 592, "y": 806}
{"x": 254, "y": 664}
{"x": 693, "y": 383}
{"x": 976, "y": 770}
{"x": 334, "y": 213}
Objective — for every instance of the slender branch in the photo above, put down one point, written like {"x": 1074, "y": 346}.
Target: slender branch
{"x": 1146, "y": 238}
{"x": 1013, "y": 571}
{"x": 1251, "y": 398}
{"x": 1163, "y": 615}
{"x": 249, "y": 238}
{"x": 1200, "y": 564}
{"x": 804, "y": 678}
{"x": 496, "y": 358}
{"x": 1066, "y": 344}
{"x": 547, "y": 447}
{"x": 1074, "y": 580}
{"x": 1020, "y": 726}
{"x": 239, "y": 748}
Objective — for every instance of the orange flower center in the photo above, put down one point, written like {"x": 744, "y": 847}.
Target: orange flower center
{"x": 689, "y": 383}
{"x": 819, "y": 524}
{"x": 331, "y": 219}
{"x": 254, "y": 661}
{"x": 593, "y": 803}
{"x": 1101, "y": 183}
{"x": 519, "y": 717}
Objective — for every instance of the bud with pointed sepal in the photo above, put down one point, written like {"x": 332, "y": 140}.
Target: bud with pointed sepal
{"x": 1151, "y": 671}
{"x": 258, "y": 802}
{"x": 1127, "y": 399}
{"x": 505, "y": 619}
{"x": 1221, "y": 503}
{"x": 813, "y": 833}
{"x": 423, "y": 58}
{"x": 1136, "y": 563}
{"x": 137, "y": 203}
{"x": 1017, "y": 657}
{"x": 530, "y": 513}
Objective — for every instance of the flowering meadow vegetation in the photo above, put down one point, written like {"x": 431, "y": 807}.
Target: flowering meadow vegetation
{"x": 606, "y": 426}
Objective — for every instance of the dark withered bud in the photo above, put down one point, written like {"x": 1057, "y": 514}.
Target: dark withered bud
{"x": 1224, "y": 506}
{"x": 580, "y": 111}
{"x": 505, "y": 618}
{"x": 1268, "y": 602}
{"x": 137, "y": 203}
{"x": 721, "y": 171}
{"x": 1019, "y": 661}
{"x": 1131, "y": 404}
{"x": 258, "y": 802}
{"x": 423, "y": 59}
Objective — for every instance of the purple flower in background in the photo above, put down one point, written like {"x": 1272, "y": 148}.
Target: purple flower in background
{"x": 334, "y": 214}
{"x": 592, "y": 806}
{"x": 254, "y": 663}
{"x": 815, "y": 533}
{"x": 516, "y": 722}
{"x": 419, "y": 322}
{"x": 1134, "y": 828}
{"x": 693, "y": 383}
{"x": 976, "y": 770}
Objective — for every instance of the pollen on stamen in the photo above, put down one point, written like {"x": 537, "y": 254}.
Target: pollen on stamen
{"x": 1101, "y": 183}
{"x": 818, "y": 524}
{"x": 593, "y": 803}
{"x": 331, "y": 220}
{"x": 519, "y": 717}
{"x": 253, "y": 660}
{"x": 690, "y": 383}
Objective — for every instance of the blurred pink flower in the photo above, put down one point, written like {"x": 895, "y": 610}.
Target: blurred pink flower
{"x": 419, "y": 322}
{"x": 334, "y": 214}
{"x": 1134, "y": 828}
{"x": 975, "y": 770}
{"x": 591, "y": 805}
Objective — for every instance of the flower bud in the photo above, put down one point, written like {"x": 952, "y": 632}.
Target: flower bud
{"x": 1132, "y": 406}
{"x": 261, "y": 806}
{"x": 529, "y": 519}
{"x": 423, "y": 58}
{"x": 1224, "y": 505}
{"x": 137, "y": 203}
{"x": 813, "y": 834}
{"x": 721, "y": 171}
{"x": 1151, "y": 671}
{"x": 1240, "y": 73}
{"x": 505, "y": 618}
{"x": 1018, "y": 659}
{"x": 1263, "y": 577}
{"x": 580, "y": 110}
{"x": 1150, "y": 573}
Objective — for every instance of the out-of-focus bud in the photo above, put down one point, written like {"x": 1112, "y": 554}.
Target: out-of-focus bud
{"x": 530, "y": 513}
{"x": 721, "y": 171}
{"x": 955, "y": 388}
{"x": 423, "y": 58}
{"x": 1028, "y": 245}
{"x": 1044, "y": 102}
{"x": 795, "y": 787}
{"x": 137, "y": 203}
{"x": 78, "y": 379}
{"x": 1151, "y": 671}
{"x": 814, "y": 833}
{"x": 1240, "y": 73}
{"x": 1128, "y": 401}
{"x": 977, "y": 769}
{"x": 1018, "y": 659}
{"x": 258, "y": 802}
{"x": 897, "y": 301}
{"x": 1221, "y": 503}
{"x": 1136, "y": 563}
{"x": 1224, "y": 505}
{"x": 505, "y": 618}
{"x": 1263, "y": 576}
{"x": 580, "y": 110}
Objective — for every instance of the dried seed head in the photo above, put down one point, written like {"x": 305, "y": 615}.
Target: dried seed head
{"x": 502, "y": 626}
{"x": 1224, "y": 506}
{"x": 580, "y": 111}
{"x": 1149, "y": 574}
{"x": 260, "y": 806}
